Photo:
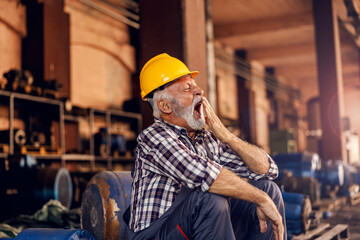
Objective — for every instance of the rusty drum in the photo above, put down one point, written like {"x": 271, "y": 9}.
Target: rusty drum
{"x": 103, "y": 204}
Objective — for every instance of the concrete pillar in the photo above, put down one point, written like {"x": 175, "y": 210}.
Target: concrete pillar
{"x": 175, "y": 27}
{"x": 276, "y": 101}
{"x": 329, "y": 79}
{"x": 12, "y": 30}
{"x": 46, "y": 49}
{"x": 246, "y": 103}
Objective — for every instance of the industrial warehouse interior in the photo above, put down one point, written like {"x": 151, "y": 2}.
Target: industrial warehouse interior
{"x": 283, "y": 75}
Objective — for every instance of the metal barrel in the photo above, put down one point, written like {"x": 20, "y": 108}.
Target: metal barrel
{"x": 54, "y": 234}
{"x": 36, "y": 185}
{"x": 54, "y": 184}
{"x": 332, "y": 173}
{"x": 104, "y": 202}
{"x": 303, "y": 164}
{"x": 297, "y": 212}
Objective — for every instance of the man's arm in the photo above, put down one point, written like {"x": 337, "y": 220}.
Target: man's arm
{"x": 230, "y": 185}
{"x": 256, "y": 160}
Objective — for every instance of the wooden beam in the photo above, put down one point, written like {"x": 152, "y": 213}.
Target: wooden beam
{"x": 297, "y": 71}
{"x": 281, "y": 51}
{"x": 288, "y": 54}
{"x": 263, "y": 25}
{"x": 271, "y": 38}
{"x": 310, "y": 70}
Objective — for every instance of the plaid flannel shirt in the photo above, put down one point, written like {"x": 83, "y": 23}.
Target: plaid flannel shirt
{"x": 167, "y": 158}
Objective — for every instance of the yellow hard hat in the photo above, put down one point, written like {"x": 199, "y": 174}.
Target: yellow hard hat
{"x": 160, "y": 70}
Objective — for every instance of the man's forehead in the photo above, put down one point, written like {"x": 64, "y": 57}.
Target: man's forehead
{"x": 184, "y": 80}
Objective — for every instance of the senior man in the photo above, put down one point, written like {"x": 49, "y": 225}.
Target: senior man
{"x": 190, "y": 183}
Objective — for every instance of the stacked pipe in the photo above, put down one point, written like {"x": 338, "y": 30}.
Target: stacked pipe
{"x": 297, "y": 212}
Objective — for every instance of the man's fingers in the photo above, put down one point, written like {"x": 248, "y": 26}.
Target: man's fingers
{"x": 263, "y": 225}
{"x": 278, "y": 231}
{"x": 281, "y": 232}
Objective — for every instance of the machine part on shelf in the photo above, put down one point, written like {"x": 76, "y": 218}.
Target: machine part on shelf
{"x": 54, "y": 234}
{"x": 117, "y": 147}
{"x": 297, "y": 211}
{"x": 38, "y": 139}
{"x": 51, "y": 89}
{"x": 68, "y": 105}
{"x": 36, "y": 185}
{"x": 104, "y": 202}
{"x": 300, "y": 164}
{"x": 52, "y": 84}
{"x": 4, "y": 148}
{"x": 19, "y": 80}
{"x": 3, "y": 83}
{"x": 20, "y": 137}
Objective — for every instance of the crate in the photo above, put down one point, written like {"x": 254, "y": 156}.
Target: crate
{"x": 325, "y": 232}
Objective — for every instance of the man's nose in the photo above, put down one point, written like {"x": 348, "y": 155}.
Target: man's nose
{"x": 198, "y": 91}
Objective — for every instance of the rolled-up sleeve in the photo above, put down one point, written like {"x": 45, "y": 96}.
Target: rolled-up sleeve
{"x": 231, "y": 160}
{"x": 172, "y": 158}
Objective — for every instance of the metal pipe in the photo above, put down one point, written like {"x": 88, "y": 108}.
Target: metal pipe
{"x": 111, "y": 14}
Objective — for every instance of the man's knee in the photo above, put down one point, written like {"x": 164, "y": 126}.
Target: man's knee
{"x": 270, "y": 187}
{"x": 214, "y": 203}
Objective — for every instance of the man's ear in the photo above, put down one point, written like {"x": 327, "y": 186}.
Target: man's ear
{"x": 165, "y": 106}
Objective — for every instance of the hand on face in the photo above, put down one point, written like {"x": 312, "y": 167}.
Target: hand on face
{"x": 213, "y": 121}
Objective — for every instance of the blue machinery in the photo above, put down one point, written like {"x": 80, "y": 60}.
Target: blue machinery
{"x": 53, "y": 234}
{"x": 297, "y": 213}
{"x": 309, "y": 177}
{"x": 333, "y": 174}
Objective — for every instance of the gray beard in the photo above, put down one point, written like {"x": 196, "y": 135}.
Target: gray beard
{"x": 187, "y": 113}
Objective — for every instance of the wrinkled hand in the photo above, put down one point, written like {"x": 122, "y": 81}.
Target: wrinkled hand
{"x": 269, "y": 211}
{"x": 214, "y": 123}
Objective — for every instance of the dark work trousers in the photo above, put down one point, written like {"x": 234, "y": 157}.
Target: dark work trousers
{"x": 203, "y": 215}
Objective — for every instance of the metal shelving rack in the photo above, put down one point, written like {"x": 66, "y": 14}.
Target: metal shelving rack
{"x": 12, "y": 97}
{"x": 64, "y": 157}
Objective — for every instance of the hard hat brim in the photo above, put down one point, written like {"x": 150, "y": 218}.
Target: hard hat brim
{"x": 193, "y": 74}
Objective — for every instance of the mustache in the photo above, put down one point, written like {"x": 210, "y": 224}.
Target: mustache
{"x": 196, "y": 101}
